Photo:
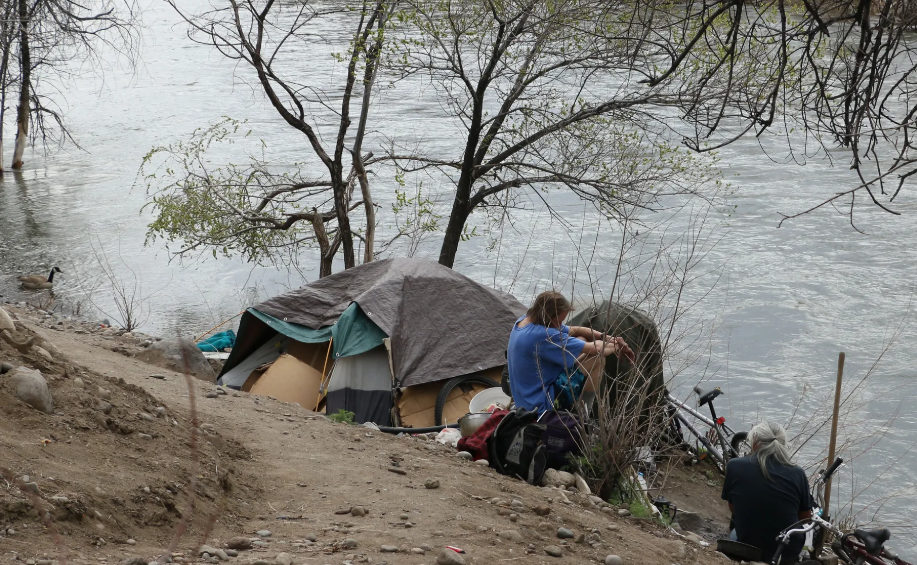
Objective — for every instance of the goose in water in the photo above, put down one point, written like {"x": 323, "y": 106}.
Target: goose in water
{"x": 37, "y": 282}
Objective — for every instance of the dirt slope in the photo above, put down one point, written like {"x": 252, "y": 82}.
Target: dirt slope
{"x": 265, "y": 465}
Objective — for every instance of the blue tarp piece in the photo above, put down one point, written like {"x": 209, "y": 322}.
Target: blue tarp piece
{"x": 218, "y": 341}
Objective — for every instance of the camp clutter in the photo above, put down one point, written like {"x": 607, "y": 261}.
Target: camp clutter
{"x": 397, "y": 342}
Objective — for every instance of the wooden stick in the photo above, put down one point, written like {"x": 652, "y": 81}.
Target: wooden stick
{"x": 324, "y": 371}
{"x": 208, "y": 332}
{"x": 833, "y": 444}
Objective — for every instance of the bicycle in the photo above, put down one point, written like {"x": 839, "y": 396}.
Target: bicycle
{"x": 731, "y": 443}
{"x": 856, "y": 548}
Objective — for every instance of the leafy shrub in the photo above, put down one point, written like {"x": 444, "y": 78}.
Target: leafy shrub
{"x": 342, "y": 417}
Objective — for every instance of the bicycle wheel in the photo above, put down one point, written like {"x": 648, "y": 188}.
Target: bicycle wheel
{"x": 451, "y": 384}
{"x": 740, "y": 445}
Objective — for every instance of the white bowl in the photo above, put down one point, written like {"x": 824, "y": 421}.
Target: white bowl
{"x": 486, "y": 397}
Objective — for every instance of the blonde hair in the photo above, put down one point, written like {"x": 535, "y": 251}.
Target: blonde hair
{"x": 547, "y": 306}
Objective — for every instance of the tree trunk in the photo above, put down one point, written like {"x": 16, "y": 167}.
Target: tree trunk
{"x": 460, "y": 209}
{"x": 343, "y": 216}
{"x": 454, "y": 230}
{"x": 324, "y": 246}
{"x": 6, "y": 35}
{"x": 368, "y": 206}
{"x": 22, "y": 118}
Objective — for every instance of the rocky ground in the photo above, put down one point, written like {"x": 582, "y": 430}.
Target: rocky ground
{"x": 107, "y": 476}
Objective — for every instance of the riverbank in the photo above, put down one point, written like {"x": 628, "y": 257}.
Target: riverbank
{"x": 113, "y": 467}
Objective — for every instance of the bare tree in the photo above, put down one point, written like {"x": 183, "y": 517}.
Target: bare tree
{"x": 51, "y": 34}
{"x": 595, "y": 98}
{"x": 261, "y": 35}
{"x": 8, "y": 34}
{"x": 541, "y": 91}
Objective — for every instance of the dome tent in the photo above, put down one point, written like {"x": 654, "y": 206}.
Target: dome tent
{"x": 409, "y": 321}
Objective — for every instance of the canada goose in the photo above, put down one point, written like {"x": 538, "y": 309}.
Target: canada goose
{"x": 36, "y": 282}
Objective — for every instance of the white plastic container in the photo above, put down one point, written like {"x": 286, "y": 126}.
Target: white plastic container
{"x": 486, "y": 397}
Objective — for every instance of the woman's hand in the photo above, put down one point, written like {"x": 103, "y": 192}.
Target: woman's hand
{"x": 620, "y": 347}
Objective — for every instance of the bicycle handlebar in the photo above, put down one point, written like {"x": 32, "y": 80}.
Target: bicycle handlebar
{"x": 834, "y": 466}
{"x": 784, "y": 536}
{"x": 780, "y": 547}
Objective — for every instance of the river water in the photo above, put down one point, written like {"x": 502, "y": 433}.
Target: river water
{"x": 771, "y": 307}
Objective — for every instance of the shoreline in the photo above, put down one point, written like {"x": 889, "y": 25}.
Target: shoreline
{"x": 118, "y": 452}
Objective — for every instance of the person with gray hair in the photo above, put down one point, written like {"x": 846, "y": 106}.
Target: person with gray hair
{"x": 767, "y": 493}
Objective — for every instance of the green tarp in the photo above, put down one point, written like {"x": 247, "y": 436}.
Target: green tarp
{"x": 295, "y": 331}
{"x": 353, "y": 333}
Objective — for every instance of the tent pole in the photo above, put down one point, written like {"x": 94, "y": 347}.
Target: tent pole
{"x": 324, "y": 375}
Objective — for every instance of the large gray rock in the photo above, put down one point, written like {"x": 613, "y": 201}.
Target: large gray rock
{"x": 690, "y": 521}
{"x": 6, "y": 323}
{"x": 555, "y": 478}
{"x": 31, "y": 387}
{"x": 449, "y": 557}
{"x": 168, "y": 353}
{"x": 46, "y": 343}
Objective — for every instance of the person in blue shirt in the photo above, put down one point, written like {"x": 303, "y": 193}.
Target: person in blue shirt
{"x": 550, "y": 364}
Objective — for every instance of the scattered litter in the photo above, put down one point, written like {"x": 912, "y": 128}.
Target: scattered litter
{"x": 219, "y": 355}
{"x": 449, "y": 436}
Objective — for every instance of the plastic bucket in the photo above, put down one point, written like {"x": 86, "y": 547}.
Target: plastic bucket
{"x": 486, "y": 397}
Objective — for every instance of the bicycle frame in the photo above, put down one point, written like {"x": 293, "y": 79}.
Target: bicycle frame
{"x": 857, "y": 553}
{"x": 696, "y": 414}
{"x": 720, "y": 456}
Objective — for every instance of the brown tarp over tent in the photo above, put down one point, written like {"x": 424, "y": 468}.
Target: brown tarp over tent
{"x": 441, "y": 323}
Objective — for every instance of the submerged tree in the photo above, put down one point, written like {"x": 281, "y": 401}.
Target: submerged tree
{"x": 45, "y": 37}
{"x": 8, "y": 33}
{"x": 256, "y": 208}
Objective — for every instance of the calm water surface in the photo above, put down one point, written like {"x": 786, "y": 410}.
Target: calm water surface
{"x": 769, "y": 317}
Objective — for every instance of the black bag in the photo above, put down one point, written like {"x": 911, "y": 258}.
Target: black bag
{"x": 516, "y": 447}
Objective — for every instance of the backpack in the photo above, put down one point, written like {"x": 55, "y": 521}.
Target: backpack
{"x": 561, "y": 437}
{"x": 516, "y": 447}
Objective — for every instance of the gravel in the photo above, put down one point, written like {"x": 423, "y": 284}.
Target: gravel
{"x": 511, "y": 535}
{"x": 239, "y": 543}
{"x": 449, "y": 557}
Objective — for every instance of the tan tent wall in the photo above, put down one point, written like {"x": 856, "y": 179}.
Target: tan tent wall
{"x": 417, "y": 404}
{"x": 294, "y": 377}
